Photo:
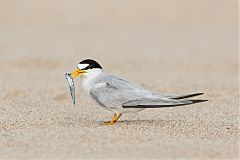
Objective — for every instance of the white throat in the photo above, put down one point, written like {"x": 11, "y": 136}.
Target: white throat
{"x": 89, "y": 77}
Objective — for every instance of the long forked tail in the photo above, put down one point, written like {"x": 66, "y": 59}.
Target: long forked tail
{"x": 159, "y": 103}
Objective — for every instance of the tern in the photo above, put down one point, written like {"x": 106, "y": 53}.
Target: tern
{"x": 121, "y": 96}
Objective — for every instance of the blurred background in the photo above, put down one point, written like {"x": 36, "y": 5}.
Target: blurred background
{"x": 61, "y": 28}
{"x": 165, "y": 45}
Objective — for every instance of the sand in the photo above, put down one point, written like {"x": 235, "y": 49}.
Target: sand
{"x": 169, "y": 47}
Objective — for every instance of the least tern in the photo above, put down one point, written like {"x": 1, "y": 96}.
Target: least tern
{"x": 121, "y": 96}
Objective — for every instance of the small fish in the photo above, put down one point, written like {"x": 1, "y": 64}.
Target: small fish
{"x": 71, "y": 86}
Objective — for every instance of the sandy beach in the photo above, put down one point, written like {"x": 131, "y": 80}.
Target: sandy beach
{"x": 168, "y": 47}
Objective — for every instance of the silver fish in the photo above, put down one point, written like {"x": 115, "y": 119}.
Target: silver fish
{"x": 71, "y": 86}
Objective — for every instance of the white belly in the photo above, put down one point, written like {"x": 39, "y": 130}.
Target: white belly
{"x": 120, "y": 109}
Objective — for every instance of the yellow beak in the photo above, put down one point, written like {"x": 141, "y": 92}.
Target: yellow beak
{"x": 77, "y": 73}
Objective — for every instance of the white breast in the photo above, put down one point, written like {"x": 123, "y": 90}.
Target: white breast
{"x": 86, "y": 85}
{"x": 89, "y": 79}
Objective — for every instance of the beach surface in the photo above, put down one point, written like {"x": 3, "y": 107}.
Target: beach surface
{"x": 165, "y": 46}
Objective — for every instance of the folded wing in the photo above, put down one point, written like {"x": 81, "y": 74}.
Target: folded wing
{"x": 158, "y": 103}
{"x": 110, "y": 91}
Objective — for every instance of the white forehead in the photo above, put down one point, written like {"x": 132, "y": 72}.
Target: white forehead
{"x": 82, "y": 66}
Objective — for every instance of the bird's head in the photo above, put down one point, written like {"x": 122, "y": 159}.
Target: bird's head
{"x": 87, "y": 67}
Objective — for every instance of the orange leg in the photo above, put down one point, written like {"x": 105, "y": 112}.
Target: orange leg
{"x": 114, "y": 119}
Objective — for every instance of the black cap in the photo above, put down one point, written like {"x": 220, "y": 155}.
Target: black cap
{"x": 91, "y": 64}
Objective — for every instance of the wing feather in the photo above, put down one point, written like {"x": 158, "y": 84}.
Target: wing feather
{"x": 158, "y": 103}
{"x": 116, "y": 91}
{"x": 175, "y": 96}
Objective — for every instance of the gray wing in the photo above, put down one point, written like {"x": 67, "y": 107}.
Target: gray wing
{"x": 112, "y": 91}
{"x": 175, "y": 96}
{"x": 159, "y": 102}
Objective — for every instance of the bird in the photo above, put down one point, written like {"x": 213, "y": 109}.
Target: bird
{"x": 120, "y": 96}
